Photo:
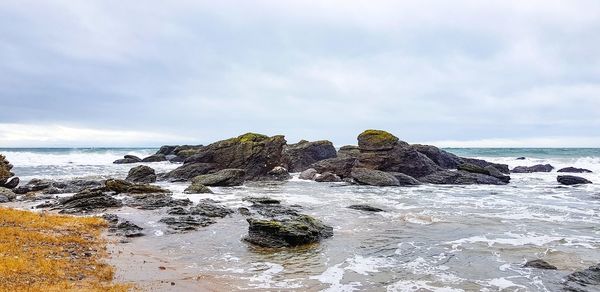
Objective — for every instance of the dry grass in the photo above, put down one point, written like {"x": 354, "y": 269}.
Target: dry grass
{"x": 53, "y": 253}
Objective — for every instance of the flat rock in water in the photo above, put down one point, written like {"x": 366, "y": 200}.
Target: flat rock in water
{"x": 450, "y": 177}
{"x": 365, "y": 208}
{"x": 587, "y": 280}
{"x": 155, "y": 201}
{"x": 197, "y": 188}
{"x": 539, "y": 264}
{"x": 308, "y": 174}
{"x": 186, "y": 223}
{"x": 296, "y": 231}
{"x": 570, "y": 180}
{"x": 87, "y": 201}
{"x": 261, "y": 200}
{"x": 123, "y": 186}
{"x": 531, "y": 169}
{"x": 574, "y": 170}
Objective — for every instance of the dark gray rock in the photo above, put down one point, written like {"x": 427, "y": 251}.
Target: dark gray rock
{"x": 460, "y": 178}
{"x": 404, "y": 159}
{"x": 327, "y": 177}
{"x": 12, "y": 183}
{"x": 574, "y": 170}
{"x": 141, "y": 174}
{"x": 155, "y": 158}
{"x": 5, "y": 172}
{"x": 197, "y": 188}
{"x": 308, "y": 174}
{"x": 348, "y": 151}
{"x": 298, "y": 157}
{"x": 373, "y": 177}
{"x": 296, "y": 231}
{"x": 366, "y": 208}
{"x": 45, "y": 186}
{"x": 210, "y": 209}
{"x": 222, "y": 178}
{"x": 188, "y": 171}
{"x": 442, "y": 158}
{"x": 262, "y": 200}
{"x": 279, "y": 173}
{"x": 155, "y": 201}
{"x": 587, "y": 280}
{"x": 3, "y": 199}
{"x": 186, "y": 223}
{"x": 535, "y": 168}
{"x": 488, "y": 170}
{"x": 166, "y": 150}
{"x": 341, "y": 166}
{"x": 8, "y": 194}
{"x": 539, "y": 264}
{"x": 405, "y": 180}
{"x": 503, "y": 168}
{"x": 521, "y": 158}
{"x": 128, "y": 159}
{"x": 570, "y": 180}
{"x": 123, "y": 186}
{"x": 87, "y": 201}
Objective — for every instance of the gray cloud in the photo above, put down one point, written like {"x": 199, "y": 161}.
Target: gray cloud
{"x": 201, "y": 71}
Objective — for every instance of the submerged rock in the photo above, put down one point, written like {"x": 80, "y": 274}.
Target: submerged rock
{"x": 539, "y": 264}
{"x": 308, "y": 174}
{"x": 298, "y": 157}
{"x": 460, "y": 178}
{"x": 299, "y": 230}
{"x": 366, "y": 208}
{"x": 222, "y": 178}
{"x": 488, "y": 170}
{"x": 535, "y": 168}
{"x": 128, "y": 159}
{"x": 261, "y": 200}
{"x": 186, "y": 223}
{"x": 572, "y": 180}
{"x": 373, "y": 177}
{"x": 574, "y": 170}
{"x": 87, "y": 201}
{"x": 210, "y": 209}
{"x": 587, "y": 280}
{"x": 197, "y": 188}
{"x": 141, "y": 174}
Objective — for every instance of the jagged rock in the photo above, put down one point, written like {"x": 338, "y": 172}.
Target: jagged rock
{"x": 348, "y": 151}
{"x": 166, "y": 150}
{"x": 87, "y": 201}
{"x": 256, "y": 154}
{"x": 405, "y": 180}
{"x": 298, "y": 157}
{"x": 341, "y": 166}
{"x": 197, "y": 188}
{"x": 460, "y": 178}
{"x": 570, "y": 180}
{"x": 12, "y": 183}
{"x": 404, "y": 159}
{"x": 373, "y": 177}
{"x": 366, "y": 208}
{"x": 210, "y": 209}
{"x": 574, "y": 170}
{"x": 308, "y": 174}
{"x": 278, "y": 173}
{"x": 174, "y": 158}
{"x": 155, "y": 201}
{"x": 186, "y": 151}
{"x": 128, "y": 159}
{"x": 377, "y": 140}
{"x": 45, "y": 186}
{"x": 123, "y": 186}
{"x": 141, "y": 174}
{"x": 186, "y": 223}
{"x": 539, "y": 264}
{"x": 124, "y": 228}
{"x": 488, "y": 170}
{"x": 535, "y": 168}
{"x": 587, "y": 280}
{"x": 8, "y": 194}
{"x": 299, "y": 230}
{"x": 222, "y": 178}
{"x": 327, "y": 177}
{"x": 155, "y": 158}
{"x": 503, "y": 168}
{"x": 189, "y": 171}
{"x": 6, "y": 174}
{"x": 442, "y": 158}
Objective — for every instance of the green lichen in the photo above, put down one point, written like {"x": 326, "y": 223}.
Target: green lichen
{"x": 376, "y": 139}
{"x": 252, "y": 137}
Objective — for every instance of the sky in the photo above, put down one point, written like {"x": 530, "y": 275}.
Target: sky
{"x": 449, "y": 73}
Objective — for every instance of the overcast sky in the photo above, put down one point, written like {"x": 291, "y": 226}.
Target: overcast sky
{"x": 145, "y": 73}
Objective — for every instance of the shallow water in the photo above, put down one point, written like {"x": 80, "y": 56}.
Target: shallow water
{"x": 431, "y": 238}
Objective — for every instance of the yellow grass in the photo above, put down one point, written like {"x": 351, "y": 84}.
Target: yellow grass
{"x": 53, "y": 253}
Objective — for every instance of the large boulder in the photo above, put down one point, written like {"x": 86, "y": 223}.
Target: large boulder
{"x": 197, "y": 188}
{"x": 340, "y": 166}
{"x": 535, "y": 168}
{"x": 348, "y": 151}
{"x": 141, "y": 174}
{"x": 128, "y": 159}
{"x": 587, "y": 280}
{"x": 222, "y": 178}
{"x": 377, "y": 140}
{"x": 570, "y": 180}
{"x": 295, "y": 231}
{"x": 574, "y": 170}
{"x": 189, "y": 171}
{"x": 373, "y": 177}
{"x": 166, "y": 150}
{"x": 460, "y": 177}
{"x": 256, "y": 154}
{"x": 298, "y": 157}
{"x": 442, "y": 158}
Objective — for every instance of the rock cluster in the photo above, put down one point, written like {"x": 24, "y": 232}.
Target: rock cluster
{"x": 7, "y": 179}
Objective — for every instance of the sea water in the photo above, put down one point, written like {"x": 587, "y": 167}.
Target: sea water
{"x": 430, "y": 237}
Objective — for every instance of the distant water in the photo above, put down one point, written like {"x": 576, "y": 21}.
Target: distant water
{"x": 431, "y": 237}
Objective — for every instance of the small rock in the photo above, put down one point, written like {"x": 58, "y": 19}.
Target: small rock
{"x": 186, "y": 223}
{"x": 327, "y": 177}
{"x": 155, "y": 158}
{"x": 279, "y": 173}
{"x": 141, "y": 174}
{"x": 308, "y": 174}
{"x": 128, "y": 159}
{"x": 261, "y": 200}
{"x": 365, "y": 208}
{"x": 574, "y": 170}
{"x": 7, "y": 193}
{"x": 197, "y": 188}
{"x": 295, "y": 231}
{"x": 535, "y": 168}
{"x": 572, "y": 180}
{"x": 539, "y": 264}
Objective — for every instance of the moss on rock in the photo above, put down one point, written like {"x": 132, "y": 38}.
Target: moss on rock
{"x": 376, "y": 140}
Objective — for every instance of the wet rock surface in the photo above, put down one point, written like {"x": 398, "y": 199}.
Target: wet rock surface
{"x": 154, "y": 201}
{"x": 574, "y": 170}
{"x": 279, "y": 173}
{"x": 122, "y": 227}
{"x": 373, "y": 177}
{"x": 222, "y": 178}
{"x": 442, "y": 158}
{"x": 155, "y": 158}
{"x": 570, "y": 180}
{"x": 197, "y": 188}
{"x": 45, "y": 186}
{"x": 340, "y": 166}
{"x": 451, "y": 177}
{"x": 128, "y": 159}
{"x": 298, "y": 157}
{"x": 123, "y": 186}
{"x": 6, "y": 195}
{"x": 366, "y": 208}
{"x": 141, "y": 174}
{"x": 534, "y": 168}
{"x": 87, "y": 201}
{"x": 488, "y": 170}
{"x": 327, "y": 177}
{"x": 405, "y": 180}
{"x": 188, "y": 171}
{"x": 308, "y": 174}
{"x": 539, "y": 264}
{"x": 186, "y": 223}
{"x": 587, "y": 280}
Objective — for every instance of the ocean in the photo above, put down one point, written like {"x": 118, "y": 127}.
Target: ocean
{"x": 430, "y": 237}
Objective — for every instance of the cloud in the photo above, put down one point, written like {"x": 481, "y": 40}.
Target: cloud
{"x": 204, "y": 70}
